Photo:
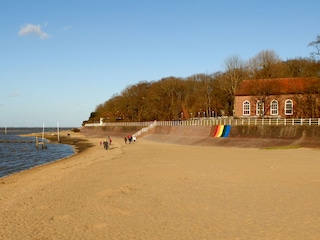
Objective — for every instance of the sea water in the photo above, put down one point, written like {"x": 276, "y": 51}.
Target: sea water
{"x": 18, "y": 153}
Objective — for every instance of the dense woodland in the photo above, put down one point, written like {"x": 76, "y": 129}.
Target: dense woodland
{"x": 202, "y": 95}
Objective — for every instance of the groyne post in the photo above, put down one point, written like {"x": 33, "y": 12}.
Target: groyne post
{"x": 39, "y": 143}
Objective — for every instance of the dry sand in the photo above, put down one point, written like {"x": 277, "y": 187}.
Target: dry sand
{"x": 150, "y": 190}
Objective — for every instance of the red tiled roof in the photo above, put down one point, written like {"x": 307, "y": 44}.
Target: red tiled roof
{"x": 276, "y": 86}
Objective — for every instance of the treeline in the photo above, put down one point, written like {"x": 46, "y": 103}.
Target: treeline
{"x": 200, "y": 95}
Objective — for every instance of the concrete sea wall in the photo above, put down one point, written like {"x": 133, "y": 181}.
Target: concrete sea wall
{"x": 238, "y": 136}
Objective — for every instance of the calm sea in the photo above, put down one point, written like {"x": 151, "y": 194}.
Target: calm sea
{"x": 20, "y": 153}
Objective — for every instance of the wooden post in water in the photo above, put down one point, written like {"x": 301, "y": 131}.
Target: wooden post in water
{"x": 42, "y": 132}
{"x": 39, "y": 143}
{"x": 58, "y": 132}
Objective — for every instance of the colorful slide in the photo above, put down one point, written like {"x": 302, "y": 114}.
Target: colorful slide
{"x": 215, "y": 130}
{"x": 219, "y": 131}
{"x": 222, "y": 131}
{"x": 226, "y": 131}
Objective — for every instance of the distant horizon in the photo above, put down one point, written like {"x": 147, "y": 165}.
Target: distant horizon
{"x": 48, "y": 127}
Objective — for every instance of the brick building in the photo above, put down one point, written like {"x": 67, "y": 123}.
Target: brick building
{"x": 278, "y": 97}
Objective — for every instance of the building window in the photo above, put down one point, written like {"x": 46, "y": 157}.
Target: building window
{"x": 260, "y": 108}
{"x": 274, "y": 107}
{"x": 246, "y": 108}
{"x": 288, "y": 107}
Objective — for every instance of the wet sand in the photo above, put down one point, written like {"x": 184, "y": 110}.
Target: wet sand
{"x": 152, "y": 190}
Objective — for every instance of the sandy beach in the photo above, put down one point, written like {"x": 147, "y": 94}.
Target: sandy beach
{"x": 152, "y": 190}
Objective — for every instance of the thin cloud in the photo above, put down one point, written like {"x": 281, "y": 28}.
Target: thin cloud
{"x": 30, "y": 29}
{"x": 67, "y": 28}
{"x": 14, "y": 94}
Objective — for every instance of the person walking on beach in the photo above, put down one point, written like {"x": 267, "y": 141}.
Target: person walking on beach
{"x": 105, "y": 145}
{"x": 130, "y": 138}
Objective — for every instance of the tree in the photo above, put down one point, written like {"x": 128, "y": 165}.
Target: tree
{"x": 316, "y": 45}
{"x": 308, "y": 105}
{"x": 92, "y": 117}
{"x": 192, "y": 99}
{"x": 296, "y": 68}
{"x": 230, "y": 80}
{"x": 172, "y": 91}
{"x": 201, "y": 94}
{"x": 265, "y": 65}
{"x": 133, "y": 104}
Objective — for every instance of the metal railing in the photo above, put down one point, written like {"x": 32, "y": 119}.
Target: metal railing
{"x": 218, "y": 121}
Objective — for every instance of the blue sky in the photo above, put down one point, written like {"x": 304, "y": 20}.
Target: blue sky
{"x": 60, "y": 59}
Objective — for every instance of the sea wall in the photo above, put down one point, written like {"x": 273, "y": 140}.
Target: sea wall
{"x": 104, "y": 131}
{"x": 238, "y": 136}
{"x": 284, "y": 132}
{"x": 270, "y": 132}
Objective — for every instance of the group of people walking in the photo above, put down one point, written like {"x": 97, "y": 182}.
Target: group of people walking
{"x": 107, "y": 142}
{"x": 129, "y": 139}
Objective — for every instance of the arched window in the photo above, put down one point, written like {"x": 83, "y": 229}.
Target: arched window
{"x": 274, "y": 107}
{"x": 246, "y": 108}
{"x": 288, "y": 107}
{"x": 260, "y": 108}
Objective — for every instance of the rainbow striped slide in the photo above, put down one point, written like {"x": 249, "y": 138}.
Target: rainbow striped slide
{"x": 222, "y": 131}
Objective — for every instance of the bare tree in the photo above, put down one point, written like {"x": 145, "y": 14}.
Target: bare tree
{"x": 307, "y": 101}
{"x": 316, "y": 45}
{"x": 264, "y": 65}
{"x": 230, "y": 80}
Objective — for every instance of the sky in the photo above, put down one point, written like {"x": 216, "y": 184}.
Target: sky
{"x": 60, "y": 59}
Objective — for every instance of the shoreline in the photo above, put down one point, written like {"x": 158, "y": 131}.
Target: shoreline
{"x": 76, "y": 140}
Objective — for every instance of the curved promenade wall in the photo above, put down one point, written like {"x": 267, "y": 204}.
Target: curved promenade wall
{"x": 240, "y": 136}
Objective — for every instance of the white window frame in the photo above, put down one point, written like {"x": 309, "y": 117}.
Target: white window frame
{"x": 274, "y": 108}
{"x": 246, "y": 108}
{"x": 288, "y": 107}
{"x": 258, "y": 109}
